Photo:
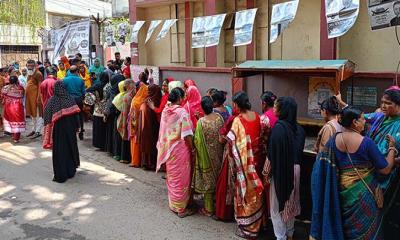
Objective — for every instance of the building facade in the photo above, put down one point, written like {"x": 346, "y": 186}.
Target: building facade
{"x": 305, "y": 38}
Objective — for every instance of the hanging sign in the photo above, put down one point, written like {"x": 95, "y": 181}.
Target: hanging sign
{"x": 244, "y": 23}
{"x": 282, "y": 15}
{"x": 123, "y": 31}
{"x": 165, "y": 28}
{"x": 383, "y": 14}
{"x": 198, "y": 31}
{"x": 341, "y": 16}
{"x": 213, "y": 26}
{"x": 153, "y": 25}
{"x": 135, "y": 31}
{"x": 109, "y": 34}
{"x": 73, "y": 39}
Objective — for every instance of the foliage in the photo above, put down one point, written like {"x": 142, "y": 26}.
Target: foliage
{"x": 23, "y": 12}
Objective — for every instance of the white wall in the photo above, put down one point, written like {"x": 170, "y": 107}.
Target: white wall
{"x": 79, "y": 7}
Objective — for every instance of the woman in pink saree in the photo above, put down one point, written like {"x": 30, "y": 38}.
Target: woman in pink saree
{"x": 175, "y": 149}
{"x": 193, "y": 105}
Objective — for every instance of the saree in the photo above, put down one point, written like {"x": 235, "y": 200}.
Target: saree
{"x": 13, "y": 108}
{"x": 193, "y": 105}
{"x": 173, "y": 151}
{"x": 380, "y": 127}
{"x": 248, "y": 199}
{"x": 360, "y": 217}
{"x": 133, "y": 119}
{"x": 85, "y": 77}
{"x": 148, "y": 129}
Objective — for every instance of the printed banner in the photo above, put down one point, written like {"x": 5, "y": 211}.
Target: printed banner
{"x": 244, "y": 23}
{"x": 137, "y": 69}
{"x": 384, "y": 13}
{"x": 135, "y": 31}
{"x": 282, "y": 15}
{"x": 165, "y": 28}
{"x": 123, "y": 31}
{"x": 213, "y": 26}
{"x": 198, "y": 32}
{"x": 153, "y": 25}
{"x": 341, "y": 16}
{"x": 72, "y": 39}
{"x": 109, "y": 32}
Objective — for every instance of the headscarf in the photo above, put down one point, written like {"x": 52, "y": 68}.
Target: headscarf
{"x": 122, "y": 122}
{"x": 193, "y": 104}
{"x": 99, "y": 86}
{"x": 64, "y": 59}
{"x": 115, "y": 80}
{"x": 61, "y": 104}
{"x": 117, "y": 101}
{"x": 97, "y": 70}
{"x": 154, "y": 94}
{"x": 85, "y": 76}
{"x": 174, "y": 84}
{"x": 137, "y": 101}
{"x": 189, "y": 83}
{"x": 285, "y": 149}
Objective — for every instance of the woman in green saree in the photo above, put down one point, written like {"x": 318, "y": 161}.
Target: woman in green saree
{"x": 209, "y": 153}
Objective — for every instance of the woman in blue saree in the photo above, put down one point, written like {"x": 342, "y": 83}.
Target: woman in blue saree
{"x": 383, "y": 122}
{"x": 345, "y": 178}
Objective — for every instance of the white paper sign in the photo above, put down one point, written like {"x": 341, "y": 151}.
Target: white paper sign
{"x": 109, "y": 32}
{"x": 165, "y": 28}
{"x": 135, "y": 31}
{"x": 198, "y": 32}
{"x": 341, "y": 16}
{"x": 153, "y": 25}
{"x": 244, "y": 23}
{"x": 282, "y": 15}
{"x": 213, "y": 26}
{"x": 383, "y": 14}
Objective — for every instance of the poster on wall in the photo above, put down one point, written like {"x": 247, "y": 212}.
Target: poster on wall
{"x": 109, "y": 34}
{"x": 165, "y": 28}
{"x": 282, "y": 15}
{"x": 213, "y": 26}
{"x": 123, "y": 31}
{"x": 73, "y": 39}
{"x": 137, "y": 69}
{"x": 341, "y": 16}
{"x": 319, "y": 89}
{"x": 198, "y": 32}
{"x": 135, "y": 31}
{"x": 244, "y": 23}
{"x": 363, "y": 96}
{"x": 153, "y": 25}
{"x": 384, "y": 13}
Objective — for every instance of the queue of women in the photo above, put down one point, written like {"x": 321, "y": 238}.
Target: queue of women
{"x": 246, "y": 167}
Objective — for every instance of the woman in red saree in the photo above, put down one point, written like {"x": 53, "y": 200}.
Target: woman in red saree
{"x": 248, "y": 197}
{"x": 175, "y": 149}
{"x": 193, "y": 105}
{"x": 148, "y": 129}
{"x": 13, "y": 115}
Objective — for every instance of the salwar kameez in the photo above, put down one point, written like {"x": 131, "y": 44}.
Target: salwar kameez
{"x": 13, "y": 114}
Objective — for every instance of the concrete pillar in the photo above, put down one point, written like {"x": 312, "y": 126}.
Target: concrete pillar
{"x": 211, "y": 52}
{"x": 132, "y": 20}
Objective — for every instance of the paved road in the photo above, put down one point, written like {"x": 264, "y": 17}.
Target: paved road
{"x": 105, "y": 200}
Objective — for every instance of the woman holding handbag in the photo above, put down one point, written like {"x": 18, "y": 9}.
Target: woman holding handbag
{"x": 345, "y": 180}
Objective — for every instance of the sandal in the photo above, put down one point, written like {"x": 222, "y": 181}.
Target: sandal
{"x": 124, "y": 161}
{"x": 187, "y": 212}
{"x": 206, "y": 213}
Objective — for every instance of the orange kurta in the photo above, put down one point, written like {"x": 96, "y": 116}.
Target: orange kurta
{"x": 33, "y": 101}
{"x": 137, "y": 101}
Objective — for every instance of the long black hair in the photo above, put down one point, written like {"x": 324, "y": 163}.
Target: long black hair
{"x": 269, "y": 98}
{"x": 242, "y": 100}
{"x": 176, "y": 94}
{"x": 331, "y": 105}
{"x": 348, "y": 115}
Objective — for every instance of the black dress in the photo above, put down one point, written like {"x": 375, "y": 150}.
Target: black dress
{"x": 110, "y": 133}
{"x": 65, "y": 148}
{"x": 99, "y": 133}
{"x": 117, "y": 139}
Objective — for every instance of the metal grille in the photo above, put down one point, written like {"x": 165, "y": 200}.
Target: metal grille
{"x": 20, "y": 54}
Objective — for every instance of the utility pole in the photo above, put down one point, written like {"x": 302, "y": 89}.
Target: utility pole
{"x": 98, "y": 46}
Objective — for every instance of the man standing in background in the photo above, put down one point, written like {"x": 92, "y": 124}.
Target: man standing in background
{"x": 34, "y": 108}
